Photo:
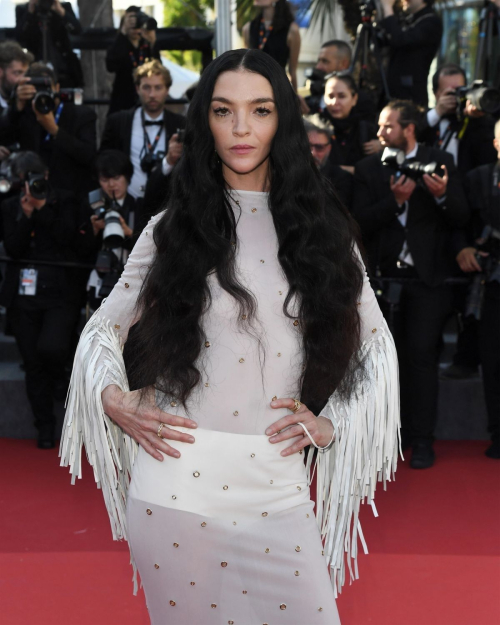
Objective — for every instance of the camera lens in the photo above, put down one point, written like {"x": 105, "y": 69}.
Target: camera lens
{"x": 44, "y": 102}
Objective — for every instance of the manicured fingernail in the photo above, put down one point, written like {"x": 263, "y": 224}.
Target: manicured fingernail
{"x": 191, "y": 439}
{"x": 193, "y": 424}
{"x": 274, "y": 404}
{"x": 284, "y": 453}
{"x": 269, "y": 431}
{"x": 176, "y": 454}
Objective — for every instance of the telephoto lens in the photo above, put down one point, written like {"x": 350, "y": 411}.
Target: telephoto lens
{"x": 113, "y": 232}
{"x": 44, "y": 101}
{"x": 37, "y": 185}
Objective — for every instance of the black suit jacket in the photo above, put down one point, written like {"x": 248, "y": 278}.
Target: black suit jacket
{"x": 70, "y": 154}
{"x": 341, "y": 181}
{"x": 117, "y": 133}
{"x": 428, "y": 226}
{"x": 413, "y": 45}
{"x": 60, "y": 52}
{"x": 120, "y": 58}
{"x": 475, "y": 148}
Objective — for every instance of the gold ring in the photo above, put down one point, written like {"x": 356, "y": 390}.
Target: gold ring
{"x": 297, "y": 405}
{"x": 160, "y": 428}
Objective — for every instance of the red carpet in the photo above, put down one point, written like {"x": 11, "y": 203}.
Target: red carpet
{"x": 434, "y": 550}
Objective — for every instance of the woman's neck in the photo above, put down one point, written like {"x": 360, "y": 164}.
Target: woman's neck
{"x": 256, "y": 180}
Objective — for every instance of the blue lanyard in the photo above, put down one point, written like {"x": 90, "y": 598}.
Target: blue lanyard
{"x": 56, "y": 119}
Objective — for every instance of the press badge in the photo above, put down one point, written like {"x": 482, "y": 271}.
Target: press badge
{"x": 27, "y": 282}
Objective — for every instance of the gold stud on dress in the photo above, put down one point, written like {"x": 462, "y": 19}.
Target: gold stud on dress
{"x": 267, "y": 550}
{"x": 297, "y": 548}
{"x": 262, "y": 261}
{"x": 173, "y": 404}
{"x": 127, "y": 285}
{"x": 157, "y": 566}
{"x": 264, "y": 514}
{"x": 203, "y": 524}
{"x": 176, "y": 545}
{"x": 299, "y": 488}
{"x": 252, "y": 455}
{"x": 225, "y": 487}
{"x": 296, "y": 322}
{"x": 207, "y": 343}
{"x": 374, "y": 330}
{"x": 149, "y": 511}
{"x": 174, "y": 496}
{"x": 236, "y": 413}
{"x": 196, "y": 474}
{"x": 213, "y": 605}
{"x": 192, "y": 583}
{"x": 283, "y": 606}
{"x": 241, "y": 360}
{"x": 172, "y": 602}
{"x": 254, "y": 210}
{"x": 245, "y": 592}
{"x": 296, "y": 573}
{"x": 117, "y": 326}
{"x": 320, "y": 609}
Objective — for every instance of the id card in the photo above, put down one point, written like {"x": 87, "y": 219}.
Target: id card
{"x": 27, "y": 281}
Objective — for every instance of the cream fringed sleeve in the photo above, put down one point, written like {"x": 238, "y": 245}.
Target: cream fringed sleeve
{"x": 366, "y": 445}
{"x": 99, "y": 363}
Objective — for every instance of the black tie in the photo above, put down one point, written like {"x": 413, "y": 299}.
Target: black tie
{"x": 152, "y": 122}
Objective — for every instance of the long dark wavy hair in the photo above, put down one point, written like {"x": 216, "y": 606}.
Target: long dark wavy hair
{"x": 197, "y": 234}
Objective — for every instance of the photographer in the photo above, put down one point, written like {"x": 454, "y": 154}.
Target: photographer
{"x": 43, "y": 301}
{"x": 479, "y": 253}
{"x": 406, "y": 218}
{"x": 354, "y": 135}
{"x": 320, "y": 142}
{"x": 146, "y": 134}
{"x": 14, "y": 63}
{"x": 455, "y": 125}
{"x": 44, "y": 26}
{"x": 114, "y": 172}
{"x": 413, "y": 39}
{"x": 134, "y": 45}
{"x": 62, "y": 133}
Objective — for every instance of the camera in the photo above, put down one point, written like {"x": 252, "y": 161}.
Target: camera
{"x": 37, "y": 185}
{"x": 44, "y": 6}
{"x": 142, "y": 20}
{"x": 181, "y": 133}
{"x": 44, "y": 100}
{"x": 107, "y": 209}
{"x": 150, "y": 161}
{"x": 485, "y": 99}
{"x": 395, "y": 159}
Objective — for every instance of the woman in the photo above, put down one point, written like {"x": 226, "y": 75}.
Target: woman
{"x": 355, "y": 136}
{"x": 254, "y": 296}
{"x": 275, "y": 31}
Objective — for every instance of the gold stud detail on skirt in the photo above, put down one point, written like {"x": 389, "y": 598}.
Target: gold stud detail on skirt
{"x": 283, "y": 606}
{"x": 223, "y": 564}
{"x": 213, "y": 605}
{"x": 274, "y": 398}
{"x": 271, "y": 481}
{"x": 245, "y": 592}
{"x": 149, "y": 511}
{"x": 172, "y": 602}
{"x": 322, "y": 553}
{"x": 299, "y": 488}
{"x": 320, "y": 609}
{"x": 374, "y": 330}
{"x": 279, "y": 354}
{"x": 296, "y": 322}
{"x": 241, "y": 360}
{"x": 234, "y": 522}
{"x": 243, "y": 317}
{"x": 230, "y": 623}
{"x": 254, "y": 210}
{"x": 127, "y": 285}
{"x": 297, "y": 548}
{"x": 262, "y": 261}
{"x": 225, "y": 487}
{"x": 196, "y": 474}
{"x": 307, "y": 516}
{"x": 296, "y": 573}
{"x": 173, "y": 404}
{"x": 236, "y": 413}
{"x": 117, "y": 326}
{"x": 174, "y": 496}
{"x": 264, "y": 514}
{"x": 176, "y": 545}
{"x": 192, "y": 583}
{"x": 207, "y": 343}
{"x": 252, "y": 455}
{"x": 207, "y": 384}
{"x": 267, "y": 550}
{"x": 157, "y": 566}
{"x": 203, "y": 524}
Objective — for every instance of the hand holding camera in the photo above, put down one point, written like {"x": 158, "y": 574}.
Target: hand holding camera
{"x": 45, "y": 6}
{"x": 25, "y": 91}
{"x": 402, "y": 188}
{"x": 46, "y": 120}
{"x": 435, "y": 183}
{"x": 31, "y": 199}
{"x": 174, "y": 149}
{"x": 467, "y": 259}
{"x": 446, "y": 104}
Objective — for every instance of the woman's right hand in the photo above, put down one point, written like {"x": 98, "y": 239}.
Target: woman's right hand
{"x": 141, "y": 421}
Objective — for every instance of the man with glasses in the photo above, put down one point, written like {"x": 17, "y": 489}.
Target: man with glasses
{"x": 320, "y": 143}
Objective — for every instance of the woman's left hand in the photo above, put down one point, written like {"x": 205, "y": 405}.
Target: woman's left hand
{"x": 320, "y": 428}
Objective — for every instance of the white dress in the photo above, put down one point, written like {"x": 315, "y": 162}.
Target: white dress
{"x": 227, "y": 533}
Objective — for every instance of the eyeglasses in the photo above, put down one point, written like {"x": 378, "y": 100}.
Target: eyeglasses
{"x": 319, "y": 147}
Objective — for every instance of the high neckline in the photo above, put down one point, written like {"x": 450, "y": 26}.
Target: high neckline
{"x": 248, "y": 201}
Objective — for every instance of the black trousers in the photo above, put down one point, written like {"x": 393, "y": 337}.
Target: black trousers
{"x": 418, "y": 328}
{"x": 43, "y": 332}
{"x": 490, "y": 356}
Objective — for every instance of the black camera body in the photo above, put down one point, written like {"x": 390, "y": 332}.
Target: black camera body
{"x": 44, "y": 100}
{"x": 150, "y": 161}
{"x": 37, "y": 185}
{"x": 395, "y": 160}
{"x": 485, "y": 99}
{"x": 143, "y": 20}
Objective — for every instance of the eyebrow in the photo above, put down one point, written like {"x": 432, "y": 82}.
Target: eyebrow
{"x": 256, "y": 101}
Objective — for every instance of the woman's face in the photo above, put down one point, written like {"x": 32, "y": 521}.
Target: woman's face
{"x": 243, "y": 119}
{"x": 339, "y": 99}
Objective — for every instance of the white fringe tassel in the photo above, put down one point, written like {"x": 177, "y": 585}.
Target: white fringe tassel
{"x": 365, "y": 451}
{"x": 111, "y": 453}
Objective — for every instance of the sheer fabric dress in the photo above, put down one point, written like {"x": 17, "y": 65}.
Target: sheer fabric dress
{"x": 227, "y": 533}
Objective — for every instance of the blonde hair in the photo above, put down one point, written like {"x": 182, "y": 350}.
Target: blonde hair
{"x": 152, "y": 68}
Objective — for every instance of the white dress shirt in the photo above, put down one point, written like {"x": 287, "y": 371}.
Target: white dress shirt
{"x": 433, "y": 120}
{"x": 138, "y": 150}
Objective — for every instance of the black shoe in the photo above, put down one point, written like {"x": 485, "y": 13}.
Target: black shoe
{"x": 459, "y": 372}
{"x": 493, "y": 450}
{"x": 46, "y": 438}
{"x": 422, "y": 456}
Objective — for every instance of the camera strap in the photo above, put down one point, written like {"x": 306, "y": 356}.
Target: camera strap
{"x": 56, "y": 119}
{"x": 151, "y": 147}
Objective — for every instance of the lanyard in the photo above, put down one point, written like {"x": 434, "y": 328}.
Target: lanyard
{"x": 142, "y": 55}
{"x": 56, "y": 119}
{"x": 151, "y": 147}
{"x": 264, "y": 34}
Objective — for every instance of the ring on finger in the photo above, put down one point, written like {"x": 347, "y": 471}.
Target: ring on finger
{"x": 160, "y": 428}
{"x": 296, "y": 406}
